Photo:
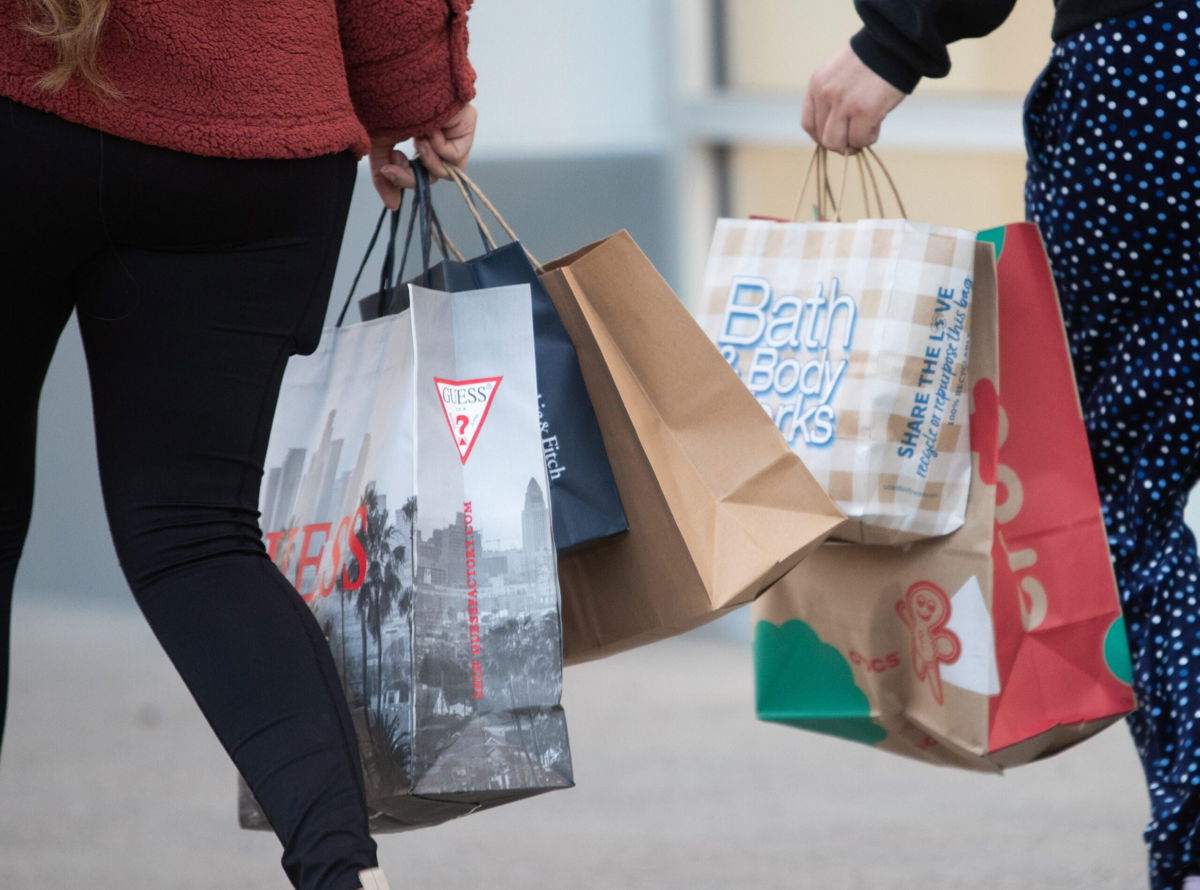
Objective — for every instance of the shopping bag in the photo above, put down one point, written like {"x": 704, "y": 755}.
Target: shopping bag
{"x": 719, "y": 507}
{"x": 586, "y": 504}
{"x": 1002, "y": 643}
{"x": 852, "y": 337}
{"x": 405, "y": 498}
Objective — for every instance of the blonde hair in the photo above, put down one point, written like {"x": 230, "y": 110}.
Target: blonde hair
{"x": 73, "y": 27}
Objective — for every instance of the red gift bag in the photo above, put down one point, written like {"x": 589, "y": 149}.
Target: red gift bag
{"x": 998, "y": 644}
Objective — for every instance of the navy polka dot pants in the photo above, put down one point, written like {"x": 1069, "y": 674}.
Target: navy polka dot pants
{"x": 1113, "y": 133}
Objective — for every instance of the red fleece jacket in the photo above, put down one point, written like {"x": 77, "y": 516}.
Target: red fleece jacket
{"x": 258, "y": 78}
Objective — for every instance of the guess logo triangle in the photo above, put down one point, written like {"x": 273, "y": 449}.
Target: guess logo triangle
{"x": 466, "y": 404}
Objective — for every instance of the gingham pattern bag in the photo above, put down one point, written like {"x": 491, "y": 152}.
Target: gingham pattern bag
{"x": 853, "y": 337}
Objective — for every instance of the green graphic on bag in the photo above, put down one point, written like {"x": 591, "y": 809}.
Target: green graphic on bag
{"x": 995, "y": 237}
{"x": 1116, "y": 652}
{"x": 803, "y": 682}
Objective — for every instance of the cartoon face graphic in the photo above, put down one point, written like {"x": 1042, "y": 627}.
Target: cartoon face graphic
{"x": 926, "y": 609}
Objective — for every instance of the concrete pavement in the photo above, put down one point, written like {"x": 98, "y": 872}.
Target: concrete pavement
{"x": 111, "y": 780}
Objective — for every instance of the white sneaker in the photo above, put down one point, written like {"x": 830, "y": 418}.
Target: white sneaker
{"x": 375, "y": 879}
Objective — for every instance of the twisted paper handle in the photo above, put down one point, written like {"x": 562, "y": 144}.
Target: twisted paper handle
{"x": 471, "y": 192}
{"x": 828, "y": 206}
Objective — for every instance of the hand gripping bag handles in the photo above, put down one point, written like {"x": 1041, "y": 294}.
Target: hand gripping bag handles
{"x": 586, "y": 505}
{"x": 852, "y": 336}
{"x": 1003, "y": 642}
{"x": 405, "y": 498}
{"x": 719, "y": 507}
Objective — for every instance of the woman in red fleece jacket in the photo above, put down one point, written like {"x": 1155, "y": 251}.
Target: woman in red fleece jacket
{"x": 180, "y": 178}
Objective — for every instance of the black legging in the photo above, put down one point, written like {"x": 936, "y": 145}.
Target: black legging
{"x": 194, "y": 279}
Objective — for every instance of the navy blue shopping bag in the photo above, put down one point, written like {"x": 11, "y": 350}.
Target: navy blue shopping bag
{"x": 585, "y": 505}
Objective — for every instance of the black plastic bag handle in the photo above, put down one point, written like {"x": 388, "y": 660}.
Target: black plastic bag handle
{"x": 423, "y": 219}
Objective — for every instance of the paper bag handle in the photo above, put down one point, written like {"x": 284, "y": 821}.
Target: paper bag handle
{"x": 431, "y": 231}
{"x": 472, "y": 193}
{"x": 827, "y": 205}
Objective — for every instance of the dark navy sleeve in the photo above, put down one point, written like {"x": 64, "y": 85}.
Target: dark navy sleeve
{"x": 905, "y": 40}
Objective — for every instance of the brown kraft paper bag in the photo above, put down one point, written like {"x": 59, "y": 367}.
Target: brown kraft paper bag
{"x": 719, "y": 507}
{"x": 941, "y": 650}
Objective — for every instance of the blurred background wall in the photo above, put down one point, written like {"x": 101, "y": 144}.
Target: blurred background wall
{"x": 955, "y": 148}
{"x": 597, "y": 115}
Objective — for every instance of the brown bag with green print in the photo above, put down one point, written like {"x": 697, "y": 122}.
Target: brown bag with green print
{"x": 998, "y": 644}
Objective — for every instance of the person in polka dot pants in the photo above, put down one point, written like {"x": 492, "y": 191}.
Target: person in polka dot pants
{"x": 1113, "y": 179}
{"x": 1113, "y": 128}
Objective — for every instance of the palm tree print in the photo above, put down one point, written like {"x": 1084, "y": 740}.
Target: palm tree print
{"x": 382, "y": 592}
